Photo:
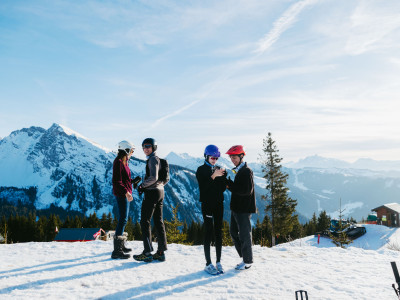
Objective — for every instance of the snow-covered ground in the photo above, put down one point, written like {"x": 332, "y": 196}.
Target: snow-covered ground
{"x": 86, "y": 271}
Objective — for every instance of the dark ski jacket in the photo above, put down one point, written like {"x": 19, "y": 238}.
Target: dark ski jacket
{"x": 243, "y": 198}
{"x": 121, "y": 178}
{"x": 151, "y": 181}
{"x": 211, "y": 191}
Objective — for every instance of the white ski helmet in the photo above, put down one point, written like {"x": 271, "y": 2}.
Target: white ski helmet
{"x": 125, "y": 145}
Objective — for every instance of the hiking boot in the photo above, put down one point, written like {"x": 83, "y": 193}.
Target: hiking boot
{"x": 220, "y": 269}
{"x": 242, "y": 266}
{"x": 146, "y": 257}
{"x": 210, "y": 269}
{"x": 160, "y": 256}
{"x": 118, "y": 253}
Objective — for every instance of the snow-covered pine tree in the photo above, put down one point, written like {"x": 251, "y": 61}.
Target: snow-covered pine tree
{"x": 280, "y": 206}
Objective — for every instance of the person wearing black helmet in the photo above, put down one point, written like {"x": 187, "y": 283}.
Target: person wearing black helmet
{"x": 152, "y": 205}
{"x": 212, "y": 184}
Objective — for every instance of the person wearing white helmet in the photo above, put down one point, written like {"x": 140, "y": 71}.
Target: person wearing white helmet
{"x": 122, "y": 190}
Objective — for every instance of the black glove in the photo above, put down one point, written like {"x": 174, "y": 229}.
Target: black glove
{"x": 140, "y": 189}
{"x": 229, "y": 183}
{"x": 135, "y": 182}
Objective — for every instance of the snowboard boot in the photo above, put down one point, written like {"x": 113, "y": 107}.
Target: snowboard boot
{"x": 118, "y": 244}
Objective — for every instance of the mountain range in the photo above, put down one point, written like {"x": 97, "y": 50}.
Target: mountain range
{"x": 57, "y": 167}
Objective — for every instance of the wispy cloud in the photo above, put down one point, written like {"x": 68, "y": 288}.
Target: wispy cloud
{"x": 287, "y": 19}
{"x": 281, "y": 25}
{"x": 175, "y": 113}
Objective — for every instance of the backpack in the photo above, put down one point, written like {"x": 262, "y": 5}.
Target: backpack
{"x": 163, "y": 172}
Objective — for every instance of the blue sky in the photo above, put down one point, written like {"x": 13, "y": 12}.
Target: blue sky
{"x": 322, "y": 76}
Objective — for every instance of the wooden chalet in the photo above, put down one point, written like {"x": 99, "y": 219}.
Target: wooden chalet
{"x": 79, "y": 234}
{"x": 388, "y": 214}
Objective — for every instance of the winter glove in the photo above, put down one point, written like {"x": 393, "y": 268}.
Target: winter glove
{"x": 229, "y": 183}
{"x": 140, "y": 189}
{"x": 135, "y": 182}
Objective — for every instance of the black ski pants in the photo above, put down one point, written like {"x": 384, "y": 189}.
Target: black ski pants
{"x": 213, "y": 224}
{"x": 152, "y": 206}
{"x": 240, "y": 230}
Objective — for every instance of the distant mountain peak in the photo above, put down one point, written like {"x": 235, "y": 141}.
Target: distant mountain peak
{"x": 70, "y": 132}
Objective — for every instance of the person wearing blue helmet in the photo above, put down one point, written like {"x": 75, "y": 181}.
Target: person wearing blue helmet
{"x": 212, "y": 184}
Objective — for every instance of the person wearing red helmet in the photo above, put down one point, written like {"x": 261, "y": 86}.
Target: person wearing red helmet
{"x": 243, "y": 204}
{"x": 212, "y": 185}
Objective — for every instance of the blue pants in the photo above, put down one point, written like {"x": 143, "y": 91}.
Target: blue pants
{"x": 123, "y": 208}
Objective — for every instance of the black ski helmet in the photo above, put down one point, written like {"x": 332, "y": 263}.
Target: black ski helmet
{"x": 150, "y": 141}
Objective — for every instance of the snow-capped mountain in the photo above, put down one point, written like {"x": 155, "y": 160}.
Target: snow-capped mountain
{"x": 60, "y": 167}
{"x": 387, "y": 167}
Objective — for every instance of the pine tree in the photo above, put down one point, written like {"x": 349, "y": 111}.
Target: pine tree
{"x": 129, "y": 228}
{"x": 226, "y": 236}
{"x": 91, "y": 222}
{"x": 323, "y": 221}
{"x": 50, "y": 230}
{"x": 311, "y": 226}
{"x": 297, "y": 231}
{"x": 39, "y": 235}
{"x": 280, "y": 206}
{"x": 77, "y": 223}
{"x": 3, "y": 228}
{"x": 173, "y": 233}
{"x": 257, "y": 233}
{"x": 106, "y": 222}
{"x": 341, "y": 240}
{"x": 137, "y": 232}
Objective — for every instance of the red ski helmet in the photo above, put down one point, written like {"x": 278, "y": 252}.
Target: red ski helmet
{"x": 236, "y": 150}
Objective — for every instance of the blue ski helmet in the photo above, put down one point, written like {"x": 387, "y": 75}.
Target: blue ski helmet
{"x": 212, "y": 150}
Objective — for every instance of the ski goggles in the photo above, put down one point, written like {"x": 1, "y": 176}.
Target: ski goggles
{"x": 147, "y": 146}
{"x": 214, "y": 158}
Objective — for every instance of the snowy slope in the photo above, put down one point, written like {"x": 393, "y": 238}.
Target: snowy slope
{"x": 85, "y": 271}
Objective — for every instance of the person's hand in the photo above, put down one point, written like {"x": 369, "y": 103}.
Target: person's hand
{"x": 217, "y": 173}
{"x": 135, "y": 181}
{"x": 129, "y": 196}
{"x": 140, "y": 189}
